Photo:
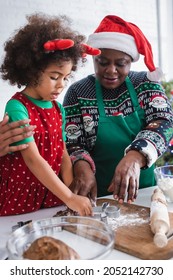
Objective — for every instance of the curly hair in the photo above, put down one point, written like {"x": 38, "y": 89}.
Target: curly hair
{"x": 25, "y": 57}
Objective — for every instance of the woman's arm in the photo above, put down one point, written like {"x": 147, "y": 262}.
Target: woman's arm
{"x": 154, "y": 137}
{"x": 14, "y": 132}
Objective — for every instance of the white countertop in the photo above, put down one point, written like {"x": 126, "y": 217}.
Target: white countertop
{"x": 6, "y": 223}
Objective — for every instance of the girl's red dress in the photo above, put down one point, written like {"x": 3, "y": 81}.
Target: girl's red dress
{"x": 20, "y": 191}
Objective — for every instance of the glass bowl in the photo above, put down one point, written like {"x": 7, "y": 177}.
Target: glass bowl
{"x": 164, "y": 179}
{"x": 91, "y": 239}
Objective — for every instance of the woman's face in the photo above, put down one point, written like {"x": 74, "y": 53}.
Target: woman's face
{"x": 112, "y": 67}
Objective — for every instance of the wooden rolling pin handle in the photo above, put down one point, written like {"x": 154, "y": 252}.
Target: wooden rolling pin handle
{"x": 160, "y": 230}
{"x": 160, "y": 240}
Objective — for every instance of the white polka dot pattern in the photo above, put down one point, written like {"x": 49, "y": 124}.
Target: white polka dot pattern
{"x": 21, "y": 192}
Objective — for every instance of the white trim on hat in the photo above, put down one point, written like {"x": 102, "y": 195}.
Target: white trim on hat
{"x": 116, "y": 41}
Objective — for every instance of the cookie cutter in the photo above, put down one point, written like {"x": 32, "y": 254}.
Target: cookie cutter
{"x": 106, "y": 211}
{"x": 112, "y": 211}
{"x": 20, "y": 224}
{"x": 98, "y": 213}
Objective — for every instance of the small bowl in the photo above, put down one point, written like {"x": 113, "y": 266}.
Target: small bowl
{"x": 164, "y": 179}
{"x": 90, "y": 238}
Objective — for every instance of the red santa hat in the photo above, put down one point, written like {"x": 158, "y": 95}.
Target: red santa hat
{"x": 71, "y": 124}
{"x": 116, "y": 33}
{"x": 158, "y": 97}
{"x": 86, "y": 115}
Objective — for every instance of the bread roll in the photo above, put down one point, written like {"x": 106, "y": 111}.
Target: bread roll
{"x": 49, "y": 248}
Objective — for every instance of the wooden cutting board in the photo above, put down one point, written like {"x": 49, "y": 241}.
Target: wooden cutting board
{"x": 133, "y": 234}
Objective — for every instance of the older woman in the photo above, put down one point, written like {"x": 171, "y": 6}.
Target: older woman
{"x": 118, "y": 121}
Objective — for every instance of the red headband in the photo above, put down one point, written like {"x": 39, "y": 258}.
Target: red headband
{"x": 90, "y": 50}
{"x": 58, "y": 44}
{"x": 62, "y": 44}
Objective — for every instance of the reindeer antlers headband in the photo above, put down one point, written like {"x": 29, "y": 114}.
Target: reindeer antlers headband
{"x": 62, "y": 44}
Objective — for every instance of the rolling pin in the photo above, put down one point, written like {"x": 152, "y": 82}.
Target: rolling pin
{"x": 159, "y": 218}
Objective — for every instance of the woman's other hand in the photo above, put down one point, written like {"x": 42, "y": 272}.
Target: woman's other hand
{"x": 126, "y": 177}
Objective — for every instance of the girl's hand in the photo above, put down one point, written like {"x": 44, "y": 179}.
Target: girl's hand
{"x": 80, "y": 204}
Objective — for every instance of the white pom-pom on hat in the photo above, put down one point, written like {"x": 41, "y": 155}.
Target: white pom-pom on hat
{"x": 155, "y": 75}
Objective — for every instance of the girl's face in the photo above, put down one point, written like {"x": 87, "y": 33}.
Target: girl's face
{"x": 51, "y": 82}
{"x": 112, "y": 67}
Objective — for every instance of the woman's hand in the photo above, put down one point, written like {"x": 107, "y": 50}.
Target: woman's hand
{"x": 13, "y": 132}
{"x": 126, "y": 177}
{"x": 84, "y": 182}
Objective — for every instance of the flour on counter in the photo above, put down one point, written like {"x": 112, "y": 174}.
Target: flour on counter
{"x": 126, "y": 220}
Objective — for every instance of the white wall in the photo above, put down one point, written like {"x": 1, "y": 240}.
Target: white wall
{"x": 86, "y": 16}
{"x": 166, "y": 17}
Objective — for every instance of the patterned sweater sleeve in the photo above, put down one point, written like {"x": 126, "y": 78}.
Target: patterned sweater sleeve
{"x": 75, "y": 139}
{"x": 153, "y": 139}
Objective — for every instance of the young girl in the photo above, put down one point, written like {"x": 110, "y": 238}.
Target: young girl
{"x": 40, "y": 57}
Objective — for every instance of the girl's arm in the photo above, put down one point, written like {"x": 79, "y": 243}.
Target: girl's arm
{"x": 44, "y": 173}
{"x": 66, "y": 171}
